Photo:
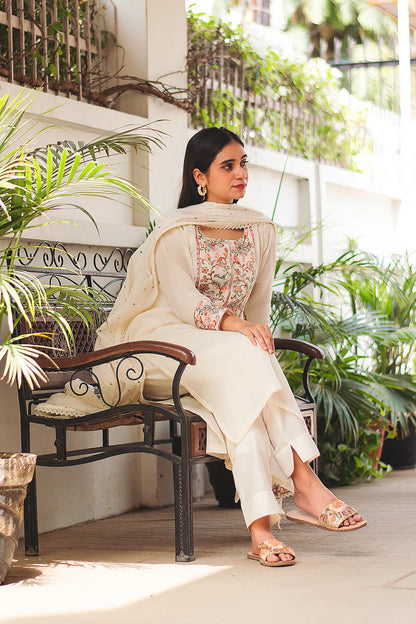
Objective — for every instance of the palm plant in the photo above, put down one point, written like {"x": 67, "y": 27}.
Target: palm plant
{"x": 33, "y": 186}
{"x": 308, "y": 298}
{"x": 393, "y": 358}
{"x": 350, "y": 398}
{"x": 354, "y": 397}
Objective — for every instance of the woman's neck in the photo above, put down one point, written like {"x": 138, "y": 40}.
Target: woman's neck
{"x": 223, "y": 233}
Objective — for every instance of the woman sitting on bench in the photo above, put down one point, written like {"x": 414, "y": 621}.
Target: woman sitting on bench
{"x": 203, "y": 280}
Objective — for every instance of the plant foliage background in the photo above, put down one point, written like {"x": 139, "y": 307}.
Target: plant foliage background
{"x": 361, "y": 311}
{"x": 34, "y": 188}
{"x": 291, "y": 106}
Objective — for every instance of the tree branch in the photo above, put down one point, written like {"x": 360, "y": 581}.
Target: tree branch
{"x": 150, "y": 87}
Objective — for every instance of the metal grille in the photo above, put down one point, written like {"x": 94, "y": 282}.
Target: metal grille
{"x": 50, "y": 335}
{"x": 55, "y": 265}
{"x": 56, "y": 44}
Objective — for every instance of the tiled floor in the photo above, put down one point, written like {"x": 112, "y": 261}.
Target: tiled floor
{"x": 122, "y": 570}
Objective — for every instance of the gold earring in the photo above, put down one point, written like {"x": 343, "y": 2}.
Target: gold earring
{"x": 202, "y": 190}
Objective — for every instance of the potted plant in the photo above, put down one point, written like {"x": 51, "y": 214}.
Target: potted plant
{"x": 348, "y": 398}
{"x": 394, "y": 297}
{"x": 355, "y": 398}
{"x": 32, "y": 186}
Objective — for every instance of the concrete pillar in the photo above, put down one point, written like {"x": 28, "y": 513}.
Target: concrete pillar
{"x": 407, "y": 217}
{"x": 167, "y": 49}
{"x": 154, "y": 48}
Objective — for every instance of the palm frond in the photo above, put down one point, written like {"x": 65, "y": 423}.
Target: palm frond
{"x": 371, "y": 325}
{"x": 143, "y": 138}
{"x": 20, "y": 293}
{"x": 36, "y": 193}
{"x": 19, "y": 361}
{"x": 304, "y": 316}
{"x": 34, "y": 186}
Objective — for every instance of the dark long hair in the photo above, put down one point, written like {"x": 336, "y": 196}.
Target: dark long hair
{"x": 201, "y": 150}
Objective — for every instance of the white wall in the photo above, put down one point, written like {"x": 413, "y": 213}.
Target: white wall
{"x": 366, "y": 216}
{"x": 345, "y": 204}
{"x": 350, "y": 204}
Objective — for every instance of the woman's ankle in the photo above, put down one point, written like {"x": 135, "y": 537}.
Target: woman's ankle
{"x": 260, "y": 530}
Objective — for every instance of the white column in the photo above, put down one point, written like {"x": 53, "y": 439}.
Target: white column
{"x": 317, "y": 190}
{"x": 404, "y": 66}
{"x": 154, "y": 39}
{"x": 166, "y": 61}
{"x": 407, "y": 216}
{"x": 131, "y": 36}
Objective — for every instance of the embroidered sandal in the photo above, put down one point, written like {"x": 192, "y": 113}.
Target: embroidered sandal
{"x": 272, "y": 547}
{"x": 330, "y": 519}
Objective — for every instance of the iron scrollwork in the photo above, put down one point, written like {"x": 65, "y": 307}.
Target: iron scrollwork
{"x": 134, "y": 373}
{"x": 118, "y": 257}
{"x": 57, "y": 256}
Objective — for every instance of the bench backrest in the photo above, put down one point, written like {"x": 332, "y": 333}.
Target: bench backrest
{"x": 54, "y": 265}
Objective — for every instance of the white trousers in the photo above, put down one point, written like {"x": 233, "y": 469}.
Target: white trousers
{"x": 264, "y": 459}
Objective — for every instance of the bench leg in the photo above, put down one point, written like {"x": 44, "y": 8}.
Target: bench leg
{"x": 184, "y": 526}
{"x": 31, "y": 520}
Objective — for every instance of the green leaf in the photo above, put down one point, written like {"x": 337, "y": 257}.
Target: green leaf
{"x": 74, "y": 168}
{"x": 61, "y": 169}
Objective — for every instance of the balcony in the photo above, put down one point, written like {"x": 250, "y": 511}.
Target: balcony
{"x": 59, "y": 45}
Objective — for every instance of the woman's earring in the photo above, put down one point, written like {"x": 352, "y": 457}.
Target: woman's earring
{"x": 202, "y": 190}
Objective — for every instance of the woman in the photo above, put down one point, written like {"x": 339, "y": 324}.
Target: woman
{"x": 203, "y": 279}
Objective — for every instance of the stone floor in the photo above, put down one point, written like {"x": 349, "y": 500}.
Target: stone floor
{"x": 122, "y": 570}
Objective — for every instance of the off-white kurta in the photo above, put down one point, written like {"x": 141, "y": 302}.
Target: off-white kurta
{"x": 233, "y": 381}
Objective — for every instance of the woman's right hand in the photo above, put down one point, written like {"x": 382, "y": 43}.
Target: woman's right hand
{"x": 257, "y": 333}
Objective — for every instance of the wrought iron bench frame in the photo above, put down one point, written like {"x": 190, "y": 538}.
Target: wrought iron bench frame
{"x": 184, "y": 447}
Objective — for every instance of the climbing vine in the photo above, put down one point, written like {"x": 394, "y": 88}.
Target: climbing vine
{"x": 269, "y": 100}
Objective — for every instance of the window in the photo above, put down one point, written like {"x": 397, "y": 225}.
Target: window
{"x": 259, "y": 12}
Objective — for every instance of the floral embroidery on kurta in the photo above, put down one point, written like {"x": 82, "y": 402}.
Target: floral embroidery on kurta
{"x": 225, "y": 276}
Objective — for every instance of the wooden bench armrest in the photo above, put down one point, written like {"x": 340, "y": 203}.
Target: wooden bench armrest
{"x": 126, "y": 349}
{"x": 300, "y": 346}
{"x": 291, "y": 344}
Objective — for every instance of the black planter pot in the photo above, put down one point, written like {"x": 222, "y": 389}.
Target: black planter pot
{"x": 400, "y": 452}
{"x": 223, "y": 484}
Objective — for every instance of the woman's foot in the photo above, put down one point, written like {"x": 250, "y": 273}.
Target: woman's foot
{"x": 260, "y": 533}
{"x": 310, "y": 493}
{"x": 270, "y": 553}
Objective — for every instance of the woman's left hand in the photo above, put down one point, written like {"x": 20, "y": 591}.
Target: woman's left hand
{"x": 257, "y": 333}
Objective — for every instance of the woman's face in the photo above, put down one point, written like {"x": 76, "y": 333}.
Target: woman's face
{"x": 227, "y": 177}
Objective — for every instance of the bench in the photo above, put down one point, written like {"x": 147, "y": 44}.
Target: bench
{"x": 185, "y": 444}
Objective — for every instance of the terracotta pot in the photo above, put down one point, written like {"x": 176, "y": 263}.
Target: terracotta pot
{"x": 16, "y": 471}
{"x": 376, "y": 455}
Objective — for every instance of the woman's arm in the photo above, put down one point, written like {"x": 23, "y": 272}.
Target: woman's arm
{"x": 257, "y": 309}
{"x": 174, "y": 266}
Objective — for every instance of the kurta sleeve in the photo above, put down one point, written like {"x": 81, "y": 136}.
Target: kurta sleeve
{"x": 175, "y": 275}
{"x": 257, "y": 308}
